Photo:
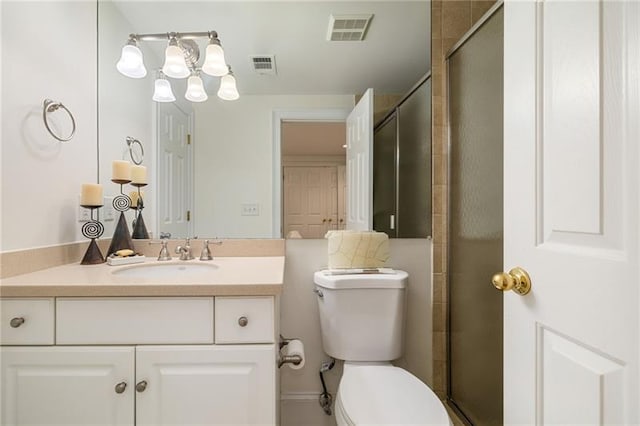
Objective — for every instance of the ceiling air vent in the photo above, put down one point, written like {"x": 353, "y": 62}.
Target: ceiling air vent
{"x": 348, "y": 27}
{"x": 264, "y": 64}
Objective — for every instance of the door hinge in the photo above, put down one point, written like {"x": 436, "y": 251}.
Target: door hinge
{"x": 188, "y": 139}
{"x": 188, "y": 215}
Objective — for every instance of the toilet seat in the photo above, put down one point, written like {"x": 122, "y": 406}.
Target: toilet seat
{"x": 384, "y": 394}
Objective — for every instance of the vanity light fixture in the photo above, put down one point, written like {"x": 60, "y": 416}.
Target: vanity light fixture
{"x": 214, "y": 62}
{"x": 175, "y": 65}
{"x": 181, "y": 61}
{"x": 162, "y": 89}
{"x": 131, "y": 62}
{"x": 195, "y": 89}
{"x": 228, "y": 90}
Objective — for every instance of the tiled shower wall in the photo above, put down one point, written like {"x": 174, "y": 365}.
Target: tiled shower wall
{"x": 450, "y": 20}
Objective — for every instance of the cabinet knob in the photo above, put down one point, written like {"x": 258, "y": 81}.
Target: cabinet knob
{"x": 141, "y": 386}
{"x": 16, "y": 322}
{"x": 243, "y": 321}
{"x": 120, "y": 387}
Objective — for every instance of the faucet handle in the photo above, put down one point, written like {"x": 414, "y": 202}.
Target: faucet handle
{"x": 206, "y": 252}
{"x": 164, "y": 251}
{"x": 164, "y": 235}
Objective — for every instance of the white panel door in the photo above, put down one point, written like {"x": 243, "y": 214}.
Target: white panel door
{"x": 174, "y": 171}
{"x": 67, "y": 386}
{"x": 206, "y": 385}
{"x": 571, "y": 211}
{"x": 310, "y": 200}
{"x": 360, "y": 165}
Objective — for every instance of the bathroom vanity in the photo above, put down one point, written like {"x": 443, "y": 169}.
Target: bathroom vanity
{"x": 86, "y": 345}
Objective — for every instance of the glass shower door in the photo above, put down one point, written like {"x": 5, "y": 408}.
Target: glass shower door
{"x": 476, "y": 223}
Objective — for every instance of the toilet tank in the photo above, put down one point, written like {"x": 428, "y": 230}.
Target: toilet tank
{"x": 362, "y": 315}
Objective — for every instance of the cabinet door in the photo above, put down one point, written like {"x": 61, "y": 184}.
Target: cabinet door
{"x": 67, "y": 386}
{"x": 206, "y": 385}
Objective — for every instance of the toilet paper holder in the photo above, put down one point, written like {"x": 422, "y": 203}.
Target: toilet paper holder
{"x": 288, "y": 359}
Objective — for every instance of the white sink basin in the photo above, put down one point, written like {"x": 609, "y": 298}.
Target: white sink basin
{"x": 172, "y": 270}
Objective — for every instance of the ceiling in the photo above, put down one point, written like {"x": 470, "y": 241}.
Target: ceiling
{"x": 313, "y": 138}
{"x": 393, "y": 56}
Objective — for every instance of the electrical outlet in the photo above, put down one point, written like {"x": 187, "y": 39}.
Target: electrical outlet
{"x": 108, "y": 212}
{"x": 249, "y": 209}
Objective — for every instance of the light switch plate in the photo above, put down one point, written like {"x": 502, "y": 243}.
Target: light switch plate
{"x": 250, "y": 209}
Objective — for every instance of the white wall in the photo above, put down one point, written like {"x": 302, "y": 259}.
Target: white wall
{"x": 233, "y": 151}
{"x": 299, "y": 318}
{"x": 125, "y": 109}
{"x": 48, "y": 51}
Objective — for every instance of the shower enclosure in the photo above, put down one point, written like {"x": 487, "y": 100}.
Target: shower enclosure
{"x": 474, "y": 69}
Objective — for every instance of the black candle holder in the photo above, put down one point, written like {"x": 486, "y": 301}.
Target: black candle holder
{"x": 139, "y": 228}
{"x": 121, "y": 236}
{"x": 92, "y": 229}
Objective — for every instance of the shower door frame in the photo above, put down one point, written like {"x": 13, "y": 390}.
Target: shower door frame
{"x": 470, "y": 33}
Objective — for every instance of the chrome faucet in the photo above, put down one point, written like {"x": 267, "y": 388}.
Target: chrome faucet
{"x": 185, "y": 251}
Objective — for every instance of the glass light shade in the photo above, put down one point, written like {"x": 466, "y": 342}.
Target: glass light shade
{"x": 228, "y": 90}
{"x": 214, "y": 63}
{"x": 195, "y": 90}
{"x": 162, "y": 91}
{"x": 174, "y": 64}
{"x": 131, "y": 63}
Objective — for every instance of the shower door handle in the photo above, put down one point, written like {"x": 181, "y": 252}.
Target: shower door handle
{"x": 516, "y": 279}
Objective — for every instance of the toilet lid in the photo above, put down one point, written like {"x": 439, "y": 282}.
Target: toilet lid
{"x": 377, "y": 394}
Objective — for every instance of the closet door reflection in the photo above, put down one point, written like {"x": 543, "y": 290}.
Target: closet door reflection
{"x": 475, "y": 226}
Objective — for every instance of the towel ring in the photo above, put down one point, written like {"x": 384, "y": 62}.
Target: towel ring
{"x": 52, "y": 106}
{"x": 135, "y": 145}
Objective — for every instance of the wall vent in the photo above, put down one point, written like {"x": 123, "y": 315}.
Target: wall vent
{"x": 348, "y": 27}
{"x": 264, "y": 64}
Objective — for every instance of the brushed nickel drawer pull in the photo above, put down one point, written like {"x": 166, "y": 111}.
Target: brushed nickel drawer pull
{"x": 16, "y": 322}
{"x": 141, "y": 386}
{"x": 120, "y": 387}
{"x": 243, "y": 321}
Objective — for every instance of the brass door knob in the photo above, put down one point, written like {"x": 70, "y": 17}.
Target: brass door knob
{"x": 516, "y": 279}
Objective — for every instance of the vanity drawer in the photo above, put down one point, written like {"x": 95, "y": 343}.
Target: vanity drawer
{"x": 134, "y": 320}
{"x": 244, "y": 320}
{"x": 26, "y": 321}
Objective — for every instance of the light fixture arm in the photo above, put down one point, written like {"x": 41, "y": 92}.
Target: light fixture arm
{"x": 165, "y": 36}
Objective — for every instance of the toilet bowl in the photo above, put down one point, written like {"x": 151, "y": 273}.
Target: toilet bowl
{"x": 386, "y": 395}
{"x": 361, "y": 319}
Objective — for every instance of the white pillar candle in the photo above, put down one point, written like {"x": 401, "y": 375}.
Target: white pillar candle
{"x": 121, "y": 170}
{"x": 138, "y": 174}
{"x": 134, "y": 198}
{"x": 91, "y": 194}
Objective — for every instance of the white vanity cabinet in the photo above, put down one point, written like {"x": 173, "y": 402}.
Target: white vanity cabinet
{"x": 142, "y": 361}
{"x": 67, "y": 385}
{"x": 205, "y": 385}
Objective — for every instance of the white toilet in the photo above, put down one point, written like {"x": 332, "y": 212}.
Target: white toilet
{"x": 362, "y": 318}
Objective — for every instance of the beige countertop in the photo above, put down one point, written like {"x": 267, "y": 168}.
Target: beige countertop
{"x": 233, "y": 276}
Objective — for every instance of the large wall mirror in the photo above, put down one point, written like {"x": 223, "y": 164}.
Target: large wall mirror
{"x": 211, "y": 164}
